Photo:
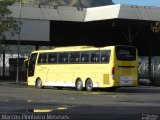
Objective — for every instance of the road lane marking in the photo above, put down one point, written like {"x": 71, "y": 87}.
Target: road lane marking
{"x": 42, "y": 110}
{"x": 96, "y": 93}
{"x": 72, "y": 98}
{"x": 30, "y": 101}
{"x": 62, "y": 108}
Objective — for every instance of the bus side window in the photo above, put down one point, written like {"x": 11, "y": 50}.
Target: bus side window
{"x": 85, "y": 56}
{"x": 77, "y": 59}
{"x": 95, "y": 56}
{"x": 42, "y": 58}
{"x": 104, "y": 59}
{"x": 105, "y": 56}
{"x": 74, "y": 57}
{"x": 84, "y": 59}
{"x": 63, "y": 58}
{"x": 52, "y": 58}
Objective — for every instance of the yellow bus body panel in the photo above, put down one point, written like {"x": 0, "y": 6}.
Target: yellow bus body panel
{"x": 65, "y": 75}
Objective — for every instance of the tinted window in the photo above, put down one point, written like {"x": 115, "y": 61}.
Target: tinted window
{"x": 42, "y": 58}
{"x": 63, "y": 58}
{"x": 52, "y": 58}
{"x": 125, "y": 53}
{"x": 95, "y": 56}
{"x": 105, "y": 56}
{"x": 85, "y": 56}
{"x": 33, "y": 58}
{"x": 32, "y": 62}
{"x": 74, "y": 57}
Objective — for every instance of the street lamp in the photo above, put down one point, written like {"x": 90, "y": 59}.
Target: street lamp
{"x": 19, "y": 38}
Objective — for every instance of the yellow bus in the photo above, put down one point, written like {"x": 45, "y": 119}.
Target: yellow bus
{"x": 84, "y": 67}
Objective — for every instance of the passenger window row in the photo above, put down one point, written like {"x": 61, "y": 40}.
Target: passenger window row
{"x": 75, "y": 57}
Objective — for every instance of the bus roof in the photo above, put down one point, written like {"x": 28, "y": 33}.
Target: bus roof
{"x": 73, "y": 47}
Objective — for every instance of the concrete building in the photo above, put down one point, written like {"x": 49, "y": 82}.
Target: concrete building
{"x": 99, "y": 26}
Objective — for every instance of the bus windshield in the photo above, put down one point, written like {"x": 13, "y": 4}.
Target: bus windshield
{"x": 125, "y": 53}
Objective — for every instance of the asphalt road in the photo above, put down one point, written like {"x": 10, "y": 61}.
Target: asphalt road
{"x": 141, "y": 103}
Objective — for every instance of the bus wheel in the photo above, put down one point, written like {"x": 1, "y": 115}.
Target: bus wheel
{"x": 79, "y": 85}
{"x": 89, "y": 85}
{"x": 39, "y": 83}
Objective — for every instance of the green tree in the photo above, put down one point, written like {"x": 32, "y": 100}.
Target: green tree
{"x": 7, "y": 24}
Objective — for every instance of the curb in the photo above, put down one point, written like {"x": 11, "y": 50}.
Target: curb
{"x": 13, "y": 83}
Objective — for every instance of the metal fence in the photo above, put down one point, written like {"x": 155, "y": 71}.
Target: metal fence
{"x": 143, "y": 69}
{"x": 145, "y": 77}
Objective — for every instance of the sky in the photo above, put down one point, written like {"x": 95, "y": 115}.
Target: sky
{"x": 139, "y": 2}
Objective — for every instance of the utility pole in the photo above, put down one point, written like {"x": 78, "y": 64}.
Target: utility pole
{"x": 19, "y": 38}
{"x": 4, "y": 61}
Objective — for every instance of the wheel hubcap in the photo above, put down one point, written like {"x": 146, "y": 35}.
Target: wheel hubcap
{"x": 79, "y": 84}
{"x": 39, "y": 83}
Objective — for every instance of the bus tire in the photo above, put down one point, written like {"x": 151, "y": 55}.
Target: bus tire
{"x": 89, "y": 85}
{"x": 79, "y": 85}
{"x": 39, "y": 83}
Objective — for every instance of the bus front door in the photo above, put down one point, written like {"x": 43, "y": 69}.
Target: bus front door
{"x": 31, "y": 68}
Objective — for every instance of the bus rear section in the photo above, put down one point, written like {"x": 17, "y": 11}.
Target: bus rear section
{"x": 125, "y": 67}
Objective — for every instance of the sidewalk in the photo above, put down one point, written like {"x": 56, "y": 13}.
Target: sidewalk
{"x": 12, "y": 82}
